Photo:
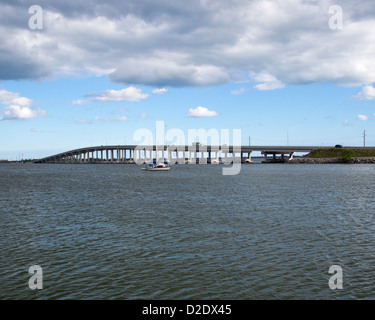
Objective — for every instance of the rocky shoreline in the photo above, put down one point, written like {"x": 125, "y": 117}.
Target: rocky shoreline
{"x": 332, "y": 160}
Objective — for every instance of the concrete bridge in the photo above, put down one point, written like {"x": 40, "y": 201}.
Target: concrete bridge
{"x": 195, "y": 153}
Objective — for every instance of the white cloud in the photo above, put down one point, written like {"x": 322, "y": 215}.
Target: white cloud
{"x": 362, "y": 117}
{"x": 267, "y": 82}
{"x": 201, "y": 112}
{"x": 128, "y": 94}
{"x": 160, "y": 91}
{"x": 367, "y": 93}
{"x": 18, "y": 108}
{"x": 7, "y": 97}
{"x": 15, "y": 112}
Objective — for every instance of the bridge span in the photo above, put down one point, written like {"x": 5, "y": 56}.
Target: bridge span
{"x": 195, "y": 153}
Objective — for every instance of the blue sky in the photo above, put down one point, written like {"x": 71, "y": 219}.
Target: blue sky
{"x": 94, "y": 75}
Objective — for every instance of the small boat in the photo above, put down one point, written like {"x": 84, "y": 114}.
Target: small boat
{"x": 154, "y": 166}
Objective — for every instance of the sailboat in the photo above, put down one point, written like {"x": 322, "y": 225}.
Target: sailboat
{"x": 157, "y": 166}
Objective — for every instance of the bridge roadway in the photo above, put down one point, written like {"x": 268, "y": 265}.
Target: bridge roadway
{"x": 196, "y": 153}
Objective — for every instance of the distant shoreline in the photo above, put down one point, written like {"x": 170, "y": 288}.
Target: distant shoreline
{"x": 354, "y": 160}
{"x": 317, "y": 156}
{"x": 337, "y": 155}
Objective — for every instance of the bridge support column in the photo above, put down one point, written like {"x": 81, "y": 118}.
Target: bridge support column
{"x": 248, "y": 160}
{"x": 203, "y": 157}
{"x": 169, "y": 156}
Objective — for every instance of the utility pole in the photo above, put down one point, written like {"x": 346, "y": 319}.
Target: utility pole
{"x": 165, "y": 133}
{"x": 249, "y": 141}
{"x": 364, "y": 138}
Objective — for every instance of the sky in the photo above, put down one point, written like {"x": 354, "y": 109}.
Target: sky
{"x": 292, "y": 72}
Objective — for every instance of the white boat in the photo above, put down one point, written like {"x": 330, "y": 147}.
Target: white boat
{"x": 153, "y": 166}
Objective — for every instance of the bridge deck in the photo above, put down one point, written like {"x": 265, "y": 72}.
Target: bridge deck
{"x": 130, "y": 153}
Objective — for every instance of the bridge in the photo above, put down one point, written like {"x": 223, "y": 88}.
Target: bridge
{"x": 195, "y": 153}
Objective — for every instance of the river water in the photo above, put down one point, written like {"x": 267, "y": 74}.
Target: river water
{"x": 116, "y": 232}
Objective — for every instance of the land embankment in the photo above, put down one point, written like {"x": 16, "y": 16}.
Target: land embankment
{"x": 332, "y": 160}
{"x": 337, "y": 155}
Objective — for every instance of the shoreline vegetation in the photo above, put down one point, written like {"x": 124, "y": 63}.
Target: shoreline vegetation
{"x": 17, "y": 161}
{"x": 337, "y": 155}
{"x": 340, "y": 152}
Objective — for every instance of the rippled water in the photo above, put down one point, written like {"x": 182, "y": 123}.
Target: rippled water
{"x": 116, "y": 232}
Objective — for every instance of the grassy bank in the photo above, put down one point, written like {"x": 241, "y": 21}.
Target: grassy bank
{"x": 340, "y": 153}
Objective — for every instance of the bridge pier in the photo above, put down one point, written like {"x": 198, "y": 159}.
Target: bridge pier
{"x": 244, "y": 159}
{"x": 280, "y": 159}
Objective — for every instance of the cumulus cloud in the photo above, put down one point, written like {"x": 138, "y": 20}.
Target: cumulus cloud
{"x": 362, "y": 117}
{"x": 17, "y": 107}
{"x": 201, "y": 112}
{"x": 7, "y": 97}
{"x": 128, "y": 94}
{"x": 367, "y": 93}
{"x": 205, "y": 43}
{"x": 14, "y": 112}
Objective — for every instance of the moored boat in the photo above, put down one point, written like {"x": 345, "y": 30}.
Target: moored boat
{"x": 154, "y": 166}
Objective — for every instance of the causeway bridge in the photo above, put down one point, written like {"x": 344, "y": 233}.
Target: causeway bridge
{"x": 195, "y": 153}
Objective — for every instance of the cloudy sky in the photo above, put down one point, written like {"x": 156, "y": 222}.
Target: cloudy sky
{"x": 76, "y": 74}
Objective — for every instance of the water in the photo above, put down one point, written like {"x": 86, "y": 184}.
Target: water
{"x": 116, "y": 232}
